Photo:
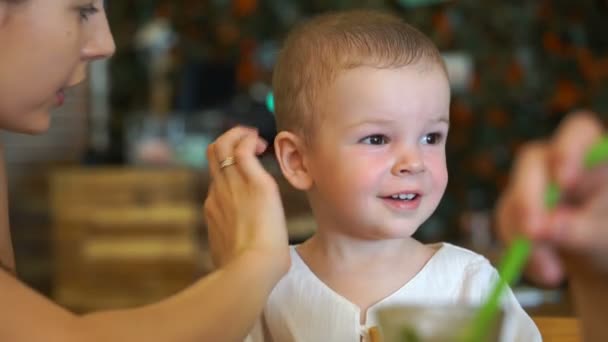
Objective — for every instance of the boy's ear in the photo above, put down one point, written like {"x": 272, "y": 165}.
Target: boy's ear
{"x": 289, "y": 150}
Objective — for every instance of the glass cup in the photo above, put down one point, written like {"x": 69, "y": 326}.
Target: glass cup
{"x": 446, "y": 323}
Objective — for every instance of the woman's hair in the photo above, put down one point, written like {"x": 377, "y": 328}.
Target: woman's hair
{"x": 3, "y": 266}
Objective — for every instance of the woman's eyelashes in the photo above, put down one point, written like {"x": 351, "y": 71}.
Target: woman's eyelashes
{"x": 85, "y": 12}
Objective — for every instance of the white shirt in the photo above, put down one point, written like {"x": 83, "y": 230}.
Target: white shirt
{"x": 301, "y": 308}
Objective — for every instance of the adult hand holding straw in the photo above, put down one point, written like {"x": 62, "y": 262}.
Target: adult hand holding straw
{"x": 572, "y": 238}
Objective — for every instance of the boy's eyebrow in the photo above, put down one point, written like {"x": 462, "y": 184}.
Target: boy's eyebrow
{"x": 442, "y": 119}
{"x": 383, "y": 121}
{"x": 377, "y": 121}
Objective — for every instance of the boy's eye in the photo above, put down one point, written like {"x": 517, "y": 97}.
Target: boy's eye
{"x": 432, "y": 139}
{"x": 376, "y": 139}
{"x": 85, "y": 12}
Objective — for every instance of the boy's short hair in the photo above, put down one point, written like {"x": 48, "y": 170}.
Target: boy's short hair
{"x": 317, "y": 51}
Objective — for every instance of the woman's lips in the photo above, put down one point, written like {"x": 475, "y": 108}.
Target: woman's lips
{"x": 60, "y": 98}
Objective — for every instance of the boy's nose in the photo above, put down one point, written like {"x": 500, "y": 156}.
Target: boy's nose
{"x": 409, "y": 163}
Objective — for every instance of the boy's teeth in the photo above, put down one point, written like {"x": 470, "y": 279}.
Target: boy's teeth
{"x": 408, "y": 197}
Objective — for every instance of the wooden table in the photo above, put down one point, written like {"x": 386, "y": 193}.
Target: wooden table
{"x": 558, "y": 329}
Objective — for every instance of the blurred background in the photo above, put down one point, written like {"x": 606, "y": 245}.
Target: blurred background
{"x": 105, "y": 208}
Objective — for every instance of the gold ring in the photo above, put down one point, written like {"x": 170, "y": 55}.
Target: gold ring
{"x": 227, "y": 162}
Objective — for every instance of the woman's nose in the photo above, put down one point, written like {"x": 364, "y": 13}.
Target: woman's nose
{"x": 101, "y": 42}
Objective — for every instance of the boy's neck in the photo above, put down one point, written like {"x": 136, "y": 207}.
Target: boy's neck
{"x": 342, "y": 252}
{"x": 362, "y": 271}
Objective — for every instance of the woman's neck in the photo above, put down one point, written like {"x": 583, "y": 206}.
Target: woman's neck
{"x": 6, "y": 246}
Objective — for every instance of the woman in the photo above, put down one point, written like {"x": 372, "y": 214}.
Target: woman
{"x": 45, "y": 48}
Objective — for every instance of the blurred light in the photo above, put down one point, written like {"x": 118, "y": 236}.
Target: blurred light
{"x": 270, "y": 102}
{"x": 418, "y": 3}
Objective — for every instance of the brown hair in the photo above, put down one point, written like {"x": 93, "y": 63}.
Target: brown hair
{"x": 318, "y": 50}
{"x": 4, "y": 267}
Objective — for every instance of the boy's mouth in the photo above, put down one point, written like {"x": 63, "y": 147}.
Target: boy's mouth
{"x": 403, "y": 196}
{"x": 403, "y": 201}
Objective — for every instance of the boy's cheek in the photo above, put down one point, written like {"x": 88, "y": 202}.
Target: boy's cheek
{"x": 437, "y": 166}
{"x": 369, "y": 177}
{"x": 439, "y": 173}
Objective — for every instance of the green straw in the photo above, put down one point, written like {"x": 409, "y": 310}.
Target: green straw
{"x": 598, "y": 154}
{"x": 514, "y": 260}
{"x": 509, "y": 271}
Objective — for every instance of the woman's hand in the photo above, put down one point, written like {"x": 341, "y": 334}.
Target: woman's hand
{"x": 579, "y": 226}
{"x": 243, "y": 209}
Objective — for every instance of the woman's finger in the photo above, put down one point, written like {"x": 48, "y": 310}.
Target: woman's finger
{"x": 224, "y": 159}
{"x": 592, "y": 184}
{"x": 522, "y": 211}
{"x": 530, "y": 179}
{"x": 247, "y": 162}
{"x": 212, "y": 162}
{"x": 227, "y": 142}
{"x": 570, "y": 144}
{"x": 261, "y": 146}
{"x": 583, "y": 228}
{"x": 544, "y": 266}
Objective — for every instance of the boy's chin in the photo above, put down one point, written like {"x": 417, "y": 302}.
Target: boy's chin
{"x": 392, "y": 233}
